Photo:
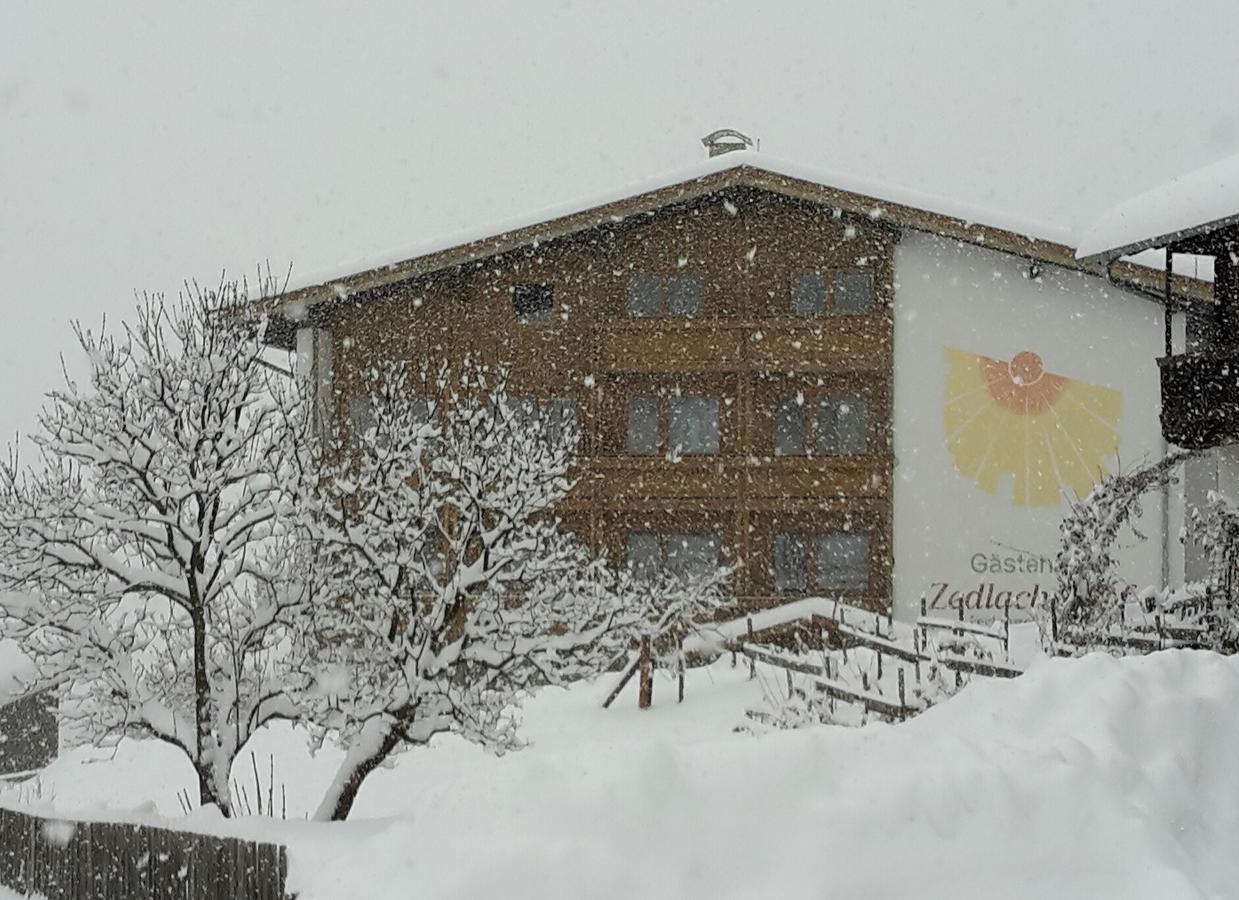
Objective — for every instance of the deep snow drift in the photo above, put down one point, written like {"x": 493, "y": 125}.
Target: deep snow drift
{"x": 1083, "y": 778}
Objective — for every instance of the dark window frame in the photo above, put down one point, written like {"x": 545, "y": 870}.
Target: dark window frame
{"x": 832, "y": 287}
{"x": 805, "y": 437}
{"x": 810, "y": 575}
{"x": 663, "y": 415}
{"x": 672, "y": 301}
{"x": 533, "y": 302}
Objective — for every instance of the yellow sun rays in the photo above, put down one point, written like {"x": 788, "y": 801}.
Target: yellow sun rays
{"x": 1049, "y": 433}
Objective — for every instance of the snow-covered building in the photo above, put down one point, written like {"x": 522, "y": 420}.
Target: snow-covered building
{"x": 849, "y": 389}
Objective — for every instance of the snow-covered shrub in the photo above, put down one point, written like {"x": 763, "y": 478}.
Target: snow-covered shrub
{"x": 1093, "y": 598}
{"x": 150, "y": 558}
{"x": 450, "y": 588}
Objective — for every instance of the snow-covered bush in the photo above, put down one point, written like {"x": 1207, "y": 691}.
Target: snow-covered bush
{"x": 150, "y": 558}
{"x": 1093, "y": 598}
{"x": 450, "y": 588}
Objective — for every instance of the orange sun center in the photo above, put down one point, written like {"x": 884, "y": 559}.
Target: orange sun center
{"x": 1021, "y": 385}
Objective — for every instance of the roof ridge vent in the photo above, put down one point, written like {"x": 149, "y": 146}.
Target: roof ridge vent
{"x": 726, "y": 140}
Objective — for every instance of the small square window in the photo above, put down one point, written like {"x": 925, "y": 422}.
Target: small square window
{"x": 808, "y": 294}
{"x": 842, "y": 560}
{"x": 790, "y": 552}
{"x": 854, "y": 293}
{"x": 684, "y": 295}
{"x": 645, "y": 293}
{"x": 532, "y": 302}
{"x": 789, "y": 426}
{"x": 842, "y": 427}
{"x": 643, "y": 425}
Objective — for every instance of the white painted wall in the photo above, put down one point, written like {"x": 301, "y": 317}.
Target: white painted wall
{"x": 948, "y": 530}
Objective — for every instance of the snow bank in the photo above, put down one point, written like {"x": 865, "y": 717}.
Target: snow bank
{"x": 1083, "y": 778}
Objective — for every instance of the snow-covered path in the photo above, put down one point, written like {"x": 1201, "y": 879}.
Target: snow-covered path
{"x": 1083, "y": 778}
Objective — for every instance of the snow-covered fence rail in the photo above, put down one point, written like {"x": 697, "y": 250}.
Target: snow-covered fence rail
{"x": 65, "y": 860}
{"x": 819, "y": 679}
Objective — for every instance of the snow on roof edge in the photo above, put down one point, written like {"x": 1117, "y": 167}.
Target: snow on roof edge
{"x": 1200, "y": 200}
{"x": 734, "y": 160}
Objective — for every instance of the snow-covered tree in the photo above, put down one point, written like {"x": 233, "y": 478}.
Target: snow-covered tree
{"x": 452, "y": 590}
{"x": 150, "y": 556}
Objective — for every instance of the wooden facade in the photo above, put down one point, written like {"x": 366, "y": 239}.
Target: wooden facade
{"x": 766, "y": 278}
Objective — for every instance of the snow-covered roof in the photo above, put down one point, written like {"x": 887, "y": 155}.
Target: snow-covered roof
{"x": 898, "y": 206}
{"x": 1195, "y": 203}
{"x": 733, "y": 161}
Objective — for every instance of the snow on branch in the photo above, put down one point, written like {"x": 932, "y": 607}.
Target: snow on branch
{"x": 150, "y": 552}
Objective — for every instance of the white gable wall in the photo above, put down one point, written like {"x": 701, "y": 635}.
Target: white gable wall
{"x": 950, "y": 533}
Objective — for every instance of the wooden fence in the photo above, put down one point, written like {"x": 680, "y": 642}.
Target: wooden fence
{"x": 65, "y": 860}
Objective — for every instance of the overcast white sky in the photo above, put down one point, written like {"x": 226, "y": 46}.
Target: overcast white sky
{"x": 146, "y": 142}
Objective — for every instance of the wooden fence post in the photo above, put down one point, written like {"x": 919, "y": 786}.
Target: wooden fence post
{"x": 646, "y": 697}
{"x": 902, "y": 702}
{"x": 1006, "y": 629}
{"x": 680, "y": 673}
{"x": 916, "y": 652}
{"x": 752, "y": 662}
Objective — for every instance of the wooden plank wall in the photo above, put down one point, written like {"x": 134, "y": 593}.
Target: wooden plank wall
{"x": 64, "y": 860}
{"x": 746, "y": 346}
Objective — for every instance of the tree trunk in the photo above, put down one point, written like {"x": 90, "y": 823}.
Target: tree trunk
{"x": 360, "y": 761}
{"x": 204, "y": 739}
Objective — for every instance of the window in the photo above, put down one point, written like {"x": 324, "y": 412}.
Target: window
{"x": 644, "y": 554}
{"x": 683, "y": 554}
{"x": 839, "y": 424}
{"x": 360, "y": 416}
{"x": 842, "y": 425}
{"x": 658, "y": 295}
{"x": 790, "y": 549}
{"x": 840, "y": 561}
{"x": 809, "y": 294}
{"x": 692, "y": 424}
{"x": 532, "y": 302}
{"x": 852, "y": 294}
{"x": 789, "y": 426}
{"x": 557, "y": 416}
{"x": 362, "y": 420}
{"x": 643, "y": 425}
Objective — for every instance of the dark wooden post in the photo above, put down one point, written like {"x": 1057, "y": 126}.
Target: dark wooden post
{"x": 902, "y": 702}
{"x": 752, "y": 662}
{"x": 680, "y": 673}
{"x": 916, "y": 652}
{"x": 1054, "y": 625}
{"x": 1006, "y": 629}
{"x": 646, "y": 698}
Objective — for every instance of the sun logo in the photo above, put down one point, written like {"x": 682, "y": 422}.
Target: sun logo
{"x": 1048, "y": 432}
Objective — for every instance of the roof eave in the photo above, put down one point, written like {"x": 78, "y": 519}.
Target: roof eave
{"x": 745, "y": 174}
{"x": 1161, "y": 240}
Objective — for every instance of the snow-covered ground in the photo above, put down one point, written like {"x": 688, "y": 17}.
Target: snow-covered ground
{"x": 1083, "y": 778}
